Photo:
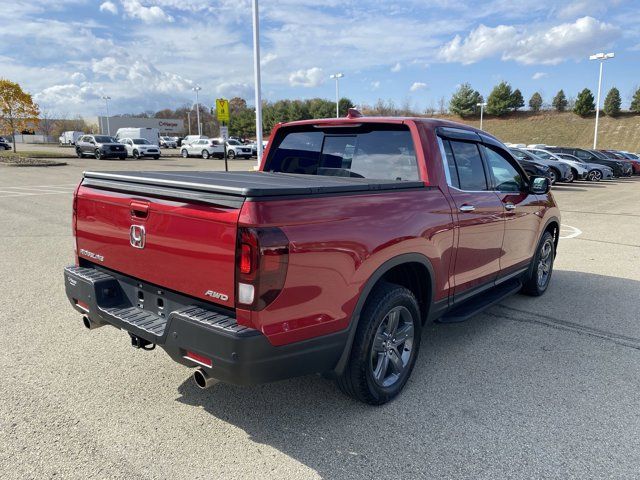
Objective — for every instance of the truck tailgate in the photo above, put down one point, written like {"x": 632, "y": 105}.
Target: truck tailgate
{"x": 176, "y": 244}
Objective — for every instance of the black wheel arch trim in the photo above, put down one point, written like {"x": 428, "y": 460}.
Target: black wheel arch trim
{"x": 368, "y": 287}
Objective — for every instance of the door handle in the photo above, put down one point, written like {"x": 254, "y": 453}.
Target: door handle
{"x": 467, "y": 208}
{"x": 509, "y": 206}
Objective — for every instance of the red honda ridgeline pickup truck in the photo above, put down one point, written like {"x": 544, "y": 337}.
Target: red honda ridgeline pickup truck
{"x": 355, "y": 232}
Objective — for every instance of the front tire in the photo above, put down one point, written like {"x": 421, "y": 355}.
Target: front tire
{"x": 539, "y": 275}
{"x": 231, "y": 154}
{"x": 79, "y": 153}
{"x": 184, "y": 154}
{"x": 205, "y": 154}
{"x": 553, "y": 176}
{"x": 98, "y": 154}
{"x": 594, "y": 176}
{"x": 385, "y": 347}
{"x": 136, "y": 154}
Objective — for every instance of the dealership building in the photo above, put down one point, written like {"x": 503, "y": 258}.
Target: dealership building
{"x": 166, "y": 126}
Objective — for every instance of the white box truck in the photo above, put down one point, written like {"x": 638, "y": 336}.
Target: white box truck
{"x": 69, "y": 138}
{"x": 152, "y": 135}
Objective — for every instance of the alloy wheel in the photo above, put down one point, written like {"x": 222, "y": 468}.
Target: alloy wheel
{"x": 392, "y": 347}
{"x": 545, "y": 263}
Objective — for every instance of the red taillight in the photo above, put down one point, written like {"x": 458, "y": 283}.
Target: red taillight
{"x": 201, "y": 359}
{"x": 263, "y": 258}
{"x": 245, "y": 258}
{"x": 82, "y": 305}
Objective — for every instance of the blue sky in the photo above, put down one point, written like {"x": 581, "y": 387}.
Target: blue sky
{"x": 147, "y": 54}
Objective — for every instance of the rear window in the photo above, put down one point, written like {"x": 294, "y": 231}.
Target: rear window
{"x": 382, "y": 152}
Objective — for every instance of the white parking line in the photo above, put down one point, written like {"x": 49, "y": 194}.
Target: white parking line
{"x": 567, "y": 231}
{"x": 35, "y": 190}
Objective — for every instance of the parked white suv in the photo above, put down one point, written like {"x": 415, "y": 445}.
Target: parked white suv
{"x": 140, "y": 147}
{"x": 168, "y": 142}
{"x": 205, "y": 148}
{"x": 237, "y": 149}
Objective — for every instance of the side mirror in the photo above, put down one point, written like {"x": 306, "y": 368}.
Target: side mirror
{"x": 539, "y": 185}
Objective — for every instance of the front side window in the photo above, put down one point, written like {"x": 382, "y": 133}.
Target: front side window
{"x": 469, "y": 165}
{"x": 507, "y": 177}
{"x": 375, "y": 152}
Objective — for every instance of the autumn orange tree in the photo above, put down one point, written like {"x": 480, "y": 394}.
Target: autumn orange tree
{"x": 17, "y": 109}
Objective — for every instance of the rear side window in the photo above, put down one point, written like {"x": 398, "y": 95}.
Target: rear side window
{"x": 377, "y": 152}
{"x": 469, "y": 165}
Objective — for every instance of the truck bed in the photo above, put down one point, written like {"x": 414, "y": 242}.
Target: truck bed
{"x": 217, "y": 187}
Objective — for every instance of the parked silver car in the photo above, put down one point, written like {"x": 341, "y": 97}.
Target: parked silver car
{"x": 596, "y": 173}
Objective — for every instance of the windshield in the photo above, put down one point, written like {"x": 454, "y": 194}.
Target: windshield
{"x": 141, "y": 141}
{"x": 103, "y": 139}
{"x": 384, "y": 152}
{"x": 234, "y": 142}
{"x": 598, "y": 154}
{"x": 545, "y": 155}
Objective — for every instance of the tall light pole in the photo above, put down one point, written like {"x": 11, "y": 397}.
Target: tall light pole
{"x": 481, "y": 105}
{"x": 601, "y": 57}
{"x": 189, "y": 120}
{"x": 196, "y": 89}
{"x": 106, "y": 99}
{"x": 256, "y": 79}
{"x": 337, "y": 77}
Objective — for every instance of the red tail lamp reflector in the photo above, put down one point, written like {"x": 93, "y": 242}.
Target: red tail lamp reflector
{"x": 200, "y": 359}
{"x": 245, "y": 258}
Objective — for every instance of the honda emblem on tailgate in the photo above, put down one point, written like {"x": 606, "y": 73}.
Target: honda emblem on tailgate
{"x": 137, "y": 236}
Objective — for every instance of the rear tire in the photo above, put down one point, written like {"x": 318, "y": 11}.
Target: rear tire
{"x": 98, "y": 154}
{"x": 553, "y": 176}
{"x": 156, "y": 157}
{"x": 539, "y": 275}
{"x": 385, "y": 347}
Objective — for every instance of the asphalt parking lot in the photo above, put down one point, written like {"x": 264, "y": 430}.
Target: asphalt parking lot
{"x": 532, "y": 388}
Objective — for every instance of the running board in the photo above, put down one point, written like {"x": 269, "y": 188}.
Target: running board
{"x": 475, "y": 305}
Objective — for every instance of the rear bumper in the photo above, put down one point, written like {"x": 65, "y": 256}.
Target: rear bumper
{"x": 239, "y": 355}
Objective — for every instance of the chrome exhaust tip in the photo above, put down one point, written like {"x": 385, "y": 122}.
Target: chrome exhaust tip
{"x": 202, "y": 379}
{"x": 90, "y": 324}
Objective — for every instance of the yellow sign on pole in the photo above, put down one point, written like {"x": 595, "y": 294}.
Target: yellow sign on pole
{"x": 222, "y": 110}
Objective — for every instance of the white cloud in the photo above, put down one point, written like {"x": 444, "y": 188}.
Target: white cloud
{"x": 311, "y": 77}
{"x": 566, "y": 41}
{"x": 481, "y": 43}
{"x": 539, "y": 75}
{"x": 397, "y": 67}
{"x": 109, "y": 7}
{"x": 78, "y": 77}
{"x": 582, "y": 7}
{"x": 230, "y": 90}
{"x": 547, "y": 47}
{"x": 153, "y": 14}
{"x": 375, "y": 85}
{"x": 417, "y": 86}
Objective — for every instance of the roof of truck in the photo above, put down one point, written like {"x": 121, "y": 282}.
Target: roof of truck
{"x": 431, "y": 123}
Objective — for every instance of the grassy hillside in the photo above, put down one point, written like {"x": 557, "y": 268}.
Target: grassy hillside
{"x": 552, "y": 128}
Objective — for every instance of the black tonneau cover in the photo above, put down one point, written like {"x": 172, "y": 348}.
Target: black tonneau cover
{"x": 221, "y": 187}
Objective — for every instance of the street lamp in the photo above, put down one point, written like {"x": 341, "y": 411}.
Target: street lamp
{"x": 337, "y": 77}
{"x": 189, "y": 120}
{"x": 481, "y": 105}
{"x": 601, "y": 57}
{"x": 106, "y": 99}
{"x": 196, "y": 89}
{"x": 256, "y": 79}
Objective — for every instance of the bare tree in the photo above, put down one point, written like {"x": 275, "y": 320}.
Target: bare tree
{"x": 442, "y": 106}
{"x": 47, "y": 123}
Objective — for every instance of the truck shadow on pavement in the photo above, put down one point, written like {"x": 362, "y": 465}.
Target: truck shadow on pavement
{"x": 527, "y": 386}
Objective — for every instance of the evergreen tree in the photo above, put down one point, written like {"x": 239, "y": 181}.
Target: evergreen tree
{"x": 464, "y": 101}
{"x": 535, "y": 102}
{"x": 612, "y": 102}
{"x": 635, "y": 101}
{"x": 584, "y": 103}
{"x": 500, "y": 101}
{"x": 560, "y": 101}
{"x": 517, "y": 101}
